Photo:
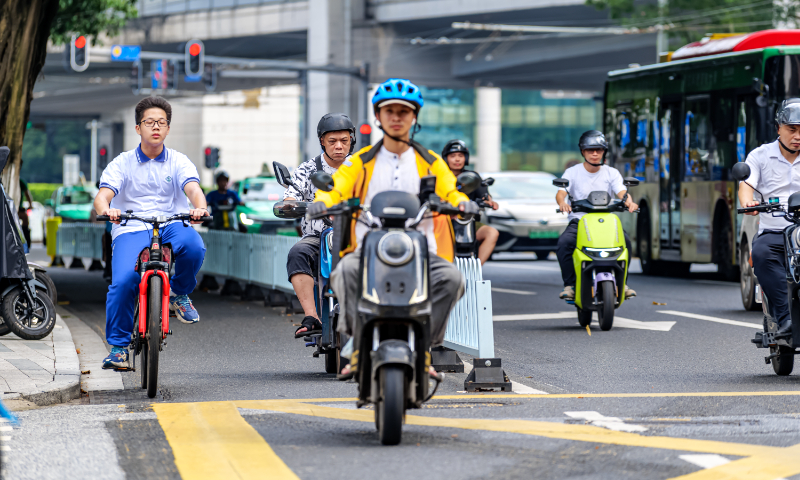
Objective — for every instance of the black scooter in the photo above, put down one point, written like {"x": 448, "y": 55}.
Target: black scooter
{"x": 391, "y": 349}
{"x": 466, "y": 241}
{"x": 782, "y": 347}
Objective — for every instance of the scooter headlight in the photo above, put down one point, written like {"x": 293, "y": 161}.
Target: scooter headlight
{"x": 603, "y": 252}
{"x": 395, "y": 248}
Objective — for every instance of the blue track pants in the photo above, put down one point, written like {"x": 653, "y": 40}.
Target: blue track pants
{"x": 189, "y": 251}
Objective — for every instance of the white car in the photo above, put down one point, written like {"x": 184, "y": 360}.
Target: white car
{"x": 527, "y": 218}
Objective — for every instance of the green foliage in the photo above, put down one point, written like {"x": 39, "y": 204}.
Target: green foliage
{"x": 90, "y": 18}
{"x": 42, "y": 191}
{"x": 690, "y": 20}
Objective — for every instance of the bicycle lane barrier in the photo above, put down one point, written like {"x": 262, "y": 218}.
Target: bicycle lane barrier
{"x": 92, "y": 351}
{"x": 516, "y": 387}
{"x": 43, "y": 372}
{"x": 212, "y": 441}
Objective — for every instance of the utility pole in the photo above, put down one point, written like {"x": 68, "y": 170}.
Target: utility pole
{"x": 93, "y": 125}
{"x": 662, "y": 44}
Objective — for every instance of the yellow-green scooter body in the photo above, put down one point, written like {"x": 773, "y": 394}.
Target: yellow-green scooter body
{"x": 594, "y": 257}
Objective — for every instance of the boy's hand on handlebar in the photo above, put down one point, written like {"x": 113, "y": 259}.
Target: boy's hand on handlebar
{"x": 197, "y": 214}
{"x": 113, "y": 213}
{"x": 752, "y": 203}
{"x": 564, "y": 207}
{"x": 632, "y": 207}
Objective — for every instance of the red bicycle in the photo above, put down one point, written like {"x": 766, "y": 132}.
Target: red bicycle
{"x": 155, "y": 264}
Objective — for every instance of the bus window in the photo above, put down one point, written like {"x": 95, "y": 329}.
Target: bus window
{"x": 700, "y": 144}
{"x": 723, "y": 118}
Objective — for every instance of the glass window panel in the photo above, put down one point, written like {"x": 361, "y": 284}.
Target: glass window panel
{"x": 552, "y": 116}
{"x": 569, "y": 116}
{"x": 514, "y": 115}
{"x": 588, "y": 116}
{"x": 533, "y": 115}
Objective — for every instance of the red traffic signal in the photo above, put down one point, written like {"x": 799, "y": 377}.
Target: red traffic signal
{"x": 212, "y": 157}
{"x": 103, "y": 151}
{"x": 102, "y": 156}
{"x": 208, "y": 150}
{"x": 194, "y": 58}
{"x": 78, "y": 56}
{"x": 365, "y": 129}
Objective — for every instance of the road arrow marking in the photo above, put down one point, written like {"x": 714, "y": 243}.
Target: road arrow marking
{"x": 619, "y": 322}
{"x": 712, "y": 319}
{"x": 611, "y": 423}
{"x": 709, "y": 460}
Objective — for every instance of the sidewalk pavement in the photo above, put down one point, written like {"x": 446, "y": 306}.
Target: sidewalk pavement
{"x": 43, "y": 371}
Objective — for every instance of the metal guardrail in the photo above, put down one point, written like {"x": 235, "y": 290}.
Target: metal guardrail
{"x": 261, "y": 260}
{"x": 470, "y": 328}
{"x": 80, "y": 240}
{"x": 251, "y": 258}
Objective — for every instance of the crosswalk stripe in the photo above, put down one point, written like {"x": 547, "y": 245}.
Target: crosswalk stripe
{"x": 212, "y": 441}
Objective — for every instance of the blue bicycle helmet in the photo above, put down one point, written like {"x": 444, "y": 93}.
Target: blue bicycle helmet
{"x": 398, "y": 90}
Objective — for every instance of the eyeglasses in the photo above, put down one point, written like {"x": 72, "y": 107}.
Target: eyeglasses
{"x": 150, "y": 123}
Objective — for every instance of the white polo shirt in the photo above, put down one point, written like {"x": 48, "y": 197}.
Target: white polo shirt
{"x": 582, "y": 183}
{"x": 399, "y": 173}
{"x": 773, "y": 176}
{"x": 148, "y": 187}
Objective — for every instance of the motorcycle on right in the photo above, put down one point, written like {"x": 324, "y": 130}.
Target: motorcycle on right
{"x": 782, "y": 348}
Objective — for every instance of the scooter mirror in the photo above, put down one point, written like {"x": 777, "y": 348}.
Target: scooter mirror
{"x": 561, "y": 182}
{"x": 323, "y": 181}
{"x": 630, "y": 181}
{"x": 488, "y": 182}
{"x": 281, "y": 175}
{"x": 740, "y": 171}
{"x": 468, "y": 182}
{"x": 4, "y": 153}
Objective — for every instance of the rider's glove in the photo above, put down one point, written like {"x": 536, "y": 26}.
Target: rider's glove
{"x": 316, "y": 209}
{"x": 470, "y": 208}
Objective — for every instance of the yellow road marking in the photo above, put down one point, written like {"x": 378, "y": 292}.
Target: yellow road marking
{"x": 212, "y": 441}
{"x": 777, "y": 463}
{"x": 581, "y": 433}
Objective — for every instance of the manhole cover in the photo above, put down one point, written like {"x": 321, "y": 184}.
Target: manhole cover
{"x": 120, "y": 396}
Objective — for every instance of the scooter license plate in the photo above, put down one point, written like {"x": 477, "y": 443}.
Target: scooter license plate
{"x": 543, "y": 234}
{"x": 758, "y": 293}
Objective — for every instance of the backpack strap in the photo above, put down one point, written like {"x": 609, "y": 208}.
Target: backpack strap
{"x": 319, "y": 163}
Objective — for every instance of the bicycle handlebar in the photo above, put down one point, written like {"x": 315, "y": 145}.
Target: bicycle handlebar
{"x": 176, "y": 217}
{"x": 758, "y": 208}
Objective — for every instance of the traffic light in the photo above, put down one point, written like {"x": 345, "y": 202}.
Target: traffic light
{"x": 212, "y": 157}
{"x": 136, "y": 77}
{"x": 78, "y": 53}
{"x": 194, "y": 58}
{"x": 365, "y": 130}
{"x": 102, "y": 156}
{"x": 210, "y": 77}
{"x": 172, "y": 78}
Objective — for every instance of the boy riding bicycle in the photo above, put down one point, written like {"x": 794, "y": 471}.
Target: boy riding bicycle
{"x": 151, "y": 181}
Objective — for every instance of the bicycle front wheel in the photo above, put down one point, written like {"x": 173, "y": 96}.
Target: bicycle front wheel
{"x": 153, "y": 337}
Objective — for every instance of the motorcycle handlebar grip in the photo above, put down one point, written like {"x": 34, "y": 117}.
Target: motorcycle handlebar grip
{"x": 102, "y": 218}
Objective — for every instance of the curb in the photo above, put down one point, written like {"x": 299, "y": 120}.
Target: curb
{"x": 66, "y": 384}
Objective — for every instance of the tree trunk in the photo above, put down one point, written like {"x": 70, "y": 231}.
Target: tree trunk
{"x": 24, "y": 31}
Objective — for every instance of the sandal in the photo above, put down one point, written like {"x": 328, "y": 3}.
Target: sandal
{"x": 347, "y": 373}
{"x": 312, "y": 326}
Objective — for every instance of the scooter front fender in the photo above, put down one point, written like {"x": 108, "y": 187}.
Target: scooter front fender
{"x": 395, "y": 352}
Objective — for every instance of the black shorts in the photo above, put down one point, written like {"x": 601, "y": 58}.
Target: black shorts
{"x": 304, "y": 258}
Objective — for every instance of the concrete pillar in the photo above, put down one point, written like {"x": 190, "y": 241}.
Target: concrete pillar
{"x": 329, "y": 43}
{"x": 488, "y": 129}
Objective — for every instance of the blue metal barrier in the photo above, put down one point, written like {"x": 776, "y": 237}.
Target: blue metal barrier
{"x": 470, "y": 329}
{"x": 83, "y": 240}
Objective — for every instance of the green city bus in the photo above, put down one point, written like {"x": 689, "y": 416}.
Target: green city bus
{"x": 679, "y": 126}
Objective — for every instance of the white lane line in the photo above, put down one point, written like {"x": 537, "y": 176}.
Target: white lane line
{"x": 713, "y": 319}
{"x": 515, "y": 292}
{"x": 516, "y": 387}
{"x": 619, "y": 322}
{"x": 534, "y": 316}
{"x": 523, "y": 267}
{"x": 705, "y": 460}
{"x": 611, "y": 423}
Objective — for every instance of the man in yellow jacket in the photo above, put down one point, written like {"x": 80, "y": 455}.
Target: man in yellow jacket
{"x": 395, "y": 163}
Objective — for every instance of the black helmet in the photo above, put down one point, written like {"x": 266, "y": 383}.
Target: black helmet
{"x": 221, "y": 173}
{"x": 335, "y": 122}
{"x": 593, "y": 139}
{"x": 788, "y": 113}
{"x": 454, "y": 146}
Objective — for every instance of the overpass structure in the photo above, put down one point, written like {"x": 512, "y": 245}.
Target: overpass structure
{"x": 393, "y": 38}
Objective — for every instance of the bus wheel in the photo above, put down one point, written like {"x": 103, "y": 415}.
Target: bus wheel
{"x": 645, "y": 249}
{"x": 725, "y": 267}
